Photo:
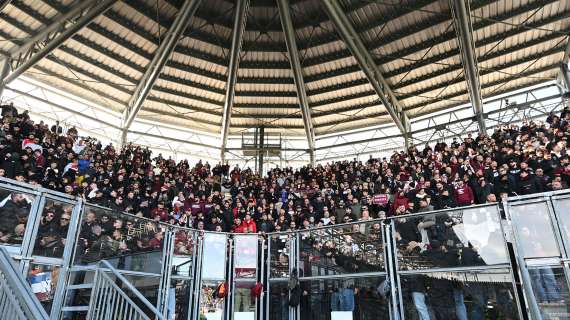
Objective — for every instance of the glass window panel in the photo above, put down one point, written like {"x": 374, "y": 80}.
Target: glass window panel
{"x": 244, "y": 303}
{"x": 245, "y": 263}
{"x": 551, "y": 291}
{"x": 470, "y": 237}
{"x": 342, "y": 249}
{"x": 534, "y": 230}
{"x": 562, "y": 207}
{"x": 179, "y": 300}
{"x": 15, "y": 209}
{"x": 459, "y": 295}
{"x": 280, "y": 248}
{"x": 43, "y": 280}
{"x": 53, "y": 228}
{"x": 214, "y": 256}
{"x": 184, "y": 246}
{"x": 356, "y": 297}
{"x": 278, "y": 301}
{"x": 211, "y": 307}
{"x": 127, "y": 242}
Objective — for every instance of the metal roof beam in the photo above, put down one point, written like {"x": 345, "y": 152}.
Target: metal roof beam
{"x": 294, "y": 59}
{"x": 445, "y": 55}
{"x": 523, "y": 75}
{"x": 240, "y": 21}
{"x": 369, "y": 67}
{"x": 523, "y": 105}
{"x": 442, "y": 38}
{"x": 460, "y": 93}
{"x": 464, "y": 29}
{"x": 161, "y": 56}
{"x": 4, "y": 4}
{"x": 565, "y": 72}
{"x": 436, "y": 86}
{"x": 52, "y": 36}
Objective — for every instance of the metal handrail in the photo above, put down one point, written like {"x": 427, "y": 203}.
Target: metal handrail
{"x": 109, "y": 268}
{"x": 18, "y": 291}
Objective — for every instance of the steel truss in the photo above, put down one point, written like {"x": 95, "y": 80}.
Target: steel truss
{"x": 464, "y": 29}
{"x": 368, "y": 66}
{"x": 240, "y": 21}
{"x": 158, "y": 62}
{"x": 40, "y": 45}
{"x": 532, "y": 104}
{"x": 294, "y": 59}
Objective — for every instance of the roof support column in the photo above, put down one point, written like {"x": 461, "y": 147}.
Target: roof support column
{"x": 4, "y": 4}
{"x": 4, "y": 70}
{"x": 161, "y": 56}
{"x": 369, "y": 67}
{"x": 464, "y": 29}
{"x": 289, "y": 30}
{"x": 565, "y": 75}
{"x": 240, "y": 20}
{"x": 51, "y": 37}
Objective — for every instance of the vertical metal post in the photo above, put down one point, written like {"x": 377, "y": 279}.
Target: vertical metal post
{"x": 165, "y": 277}
{"x": 260, "y": 149}
{"x": 268, "y": 285}
{"x": 263, "y": 279}
{"x": 525, "y": 276}
{"x": 229, "y": 279}
{"x": 389, "y": 255}
{"x": 198, "y": 277}
{"x": 4, "y": 71}
{"x": 70, "y": 244}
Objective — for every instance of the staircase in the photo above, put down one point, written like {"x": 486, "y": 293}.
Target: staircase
{"x": 111, "y": 296}
{"x": 16, "y": 298}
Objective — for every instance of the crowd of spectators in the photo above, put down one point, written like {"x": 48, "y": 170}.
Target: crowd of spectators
{"x": 513, "y": 160}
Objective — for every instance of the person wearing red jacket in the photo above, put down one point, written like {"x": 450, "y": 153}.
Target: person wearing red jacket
{"x": 463, "y": 194}
{"x": 399, "y": 200}
{"x": 160, "y": 211}
{"x": 248, "y": 225}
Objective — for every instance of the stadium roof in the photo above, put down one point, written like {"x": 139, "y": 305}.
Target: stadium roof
{"x": 414, "y": 43}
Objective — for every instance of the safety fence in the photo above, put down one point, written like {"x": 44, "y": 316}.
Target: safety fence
{"x": 505, "y": 260}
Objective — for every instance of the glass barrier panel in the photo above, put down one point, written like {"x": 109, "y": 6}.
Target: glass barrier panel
{"x": 43, "y": 280}
{"x": 244, "y": 301}
{"x": 15, "y": 207}
{"x": 468, "y": 237}
{"x": 345, "y": 249}
{"x": 280, "y": 252}
{"x": 354, "y": 298}
{"x": 534, "y": 230}
{"x": 127, "y": 242}
{"x": 211, "y": 305}
{"x": 53, "y": 227}
{"x": 562, "y": 208}
{"x": 179, "y": 300}
{"x": 551, "y": 291}
{"x": 459, "y": 295}
{"x": 278, "y": 300}
{"x": 214, "y": 256}
{"x": 184, "y": 246}
{"x": 245, "y": 255}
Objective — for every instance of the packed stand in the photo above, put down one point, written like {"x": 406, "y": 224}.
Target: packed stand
{"x": 512, "y": 161}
